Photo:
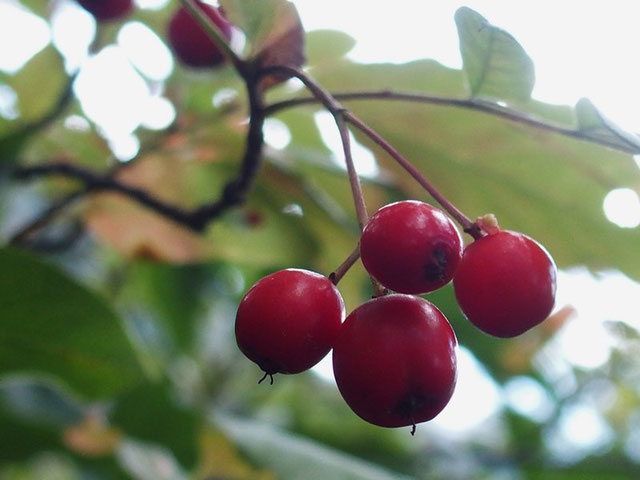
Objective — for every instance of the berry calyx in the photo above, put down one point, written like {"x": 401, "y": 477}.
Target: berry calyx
{"x": 395, "y": 361}
{"x": 107, "y": 10}
{"x": 411, "y": 247}
{"x": 289, "y": 320}
{"x": 191, "y": 43}
{"x": 505, "y": 283}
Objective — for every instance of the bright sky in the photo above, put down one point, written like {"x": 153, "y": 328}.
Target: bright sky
{"x": 578, "y": 48}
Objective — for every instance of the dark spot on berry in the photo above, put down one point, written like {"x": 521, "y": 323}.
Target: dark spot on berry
{"x": 409, "y": 403}
{"x": 435, "y": 270}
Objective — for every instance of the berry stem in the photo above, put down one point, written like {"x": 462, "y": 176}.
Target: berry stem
{"x": 467, "y": 224}
{"x": 339, "y": 114}
{"x": 215, "y": 33}
{"x": 344, "y": 267}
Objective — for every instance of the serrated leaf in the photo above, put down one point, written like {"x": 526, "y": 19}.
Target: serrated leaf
{"x": 595, "y": 125}
{"x": 495, "y": 64}
{"x": 52, "y": 325}
{"x": 273, "y": 30}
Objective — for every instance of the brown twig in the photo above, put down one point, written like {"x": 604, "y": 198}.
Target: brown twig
{"x": 466, "y": 103}
{"x": 197, "y": 219}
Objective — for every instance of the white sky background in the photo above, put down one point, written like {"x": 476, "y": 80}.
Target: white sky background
{"x": 579, "y": 49}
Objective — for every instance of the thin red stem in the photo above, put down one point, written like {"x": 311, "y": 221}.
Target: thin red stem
{"x": 339, "y": 114}
{"x": 344, "y": 267}
{"x": 467, "y": 224}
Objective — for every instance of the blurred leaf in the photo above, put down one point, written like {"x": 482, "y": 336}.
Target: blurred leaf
{"x": 328, "y": 46}
{"x": 39, "y": 401}
{"x": 53, "y": 325}
{"x": 21, "y": 440}
{"x": 151, "y": 413}
{"x": 269, "y": 25}
{"x": 38, "y": 84}
{"x": 597, "y": 126}
{"x": 294, "y": 457}
{"x": 37, "y": 6}
{"x": 143, "y": 461}
{"x": 495, "y": 64}
{"x": 11, "y": 145}
{"x": 173, "y": 292}
{"x": 139, "y": 233}
{"x": 92, "y": 437}
{"x": 219, "y": 458}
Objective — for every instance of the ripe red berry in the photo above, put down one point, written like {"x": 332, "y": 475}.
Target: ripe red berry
{"x": 106, "y": 10}
{"x": 289, "y": 320}
{"x": 505, "y": 283}
{"x": 411, "y": 247}
{"x": 395, "y": 361}
{"x": 191, "y": 43}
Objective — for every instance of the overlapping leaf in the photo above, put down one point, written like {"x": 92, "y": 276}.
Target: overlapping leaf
{"x": 54, "y": 326}
{"x": 495, "y": 64}
{"x": 273, "y": 30}
{"x": 592, "y": 123}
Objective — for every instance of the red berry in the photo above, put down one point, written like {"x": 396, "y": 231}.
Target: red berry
{"x": 411, "y": 247}
{"x": 505, "y": 283}
{"x": 395, "y": 361}
{"x": 191, "y": 43}
{"x": 106, "y": 10}
{"x": 289, "y": 320}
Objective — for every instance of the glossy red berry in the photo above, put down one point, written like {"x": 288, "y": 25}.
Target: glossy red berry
{"x": 505, "y": 283}
{"x": 191, "y": 43}
{"x": 289, "y": 320}
{"x": 410, "y": 247}
{"x": 395, "y": 361}
{"x": 106, "y": 10}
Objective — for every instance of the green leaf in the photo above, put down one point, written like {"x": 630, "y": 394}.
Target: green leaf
{"x": 273, "y": 29}
{"x": 39, "y": 401}
{"x": 495, "y": 64}
{"x": 150, "y": 413}
{"x": 173, "y": 292}
{"x": 21, "y": 440}
{"x": 293, "y": 457}
{"x": 595, "y": 125}
{"x": 53, "y": 325}
{"x": 546, "y": 185}
{"x": 328, "y": 46}
{"x": 38, "y": 84}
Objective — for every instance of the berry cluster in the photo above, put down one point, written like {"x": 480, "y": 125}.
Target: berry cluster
{"x": 394, "y": 357}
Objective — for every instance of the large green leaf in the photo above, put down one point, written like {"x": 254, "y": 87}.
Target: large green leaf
{"x": 495, "y": 64}
{"x": 546, "y": 185}
{"x": 53, "y": 325}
